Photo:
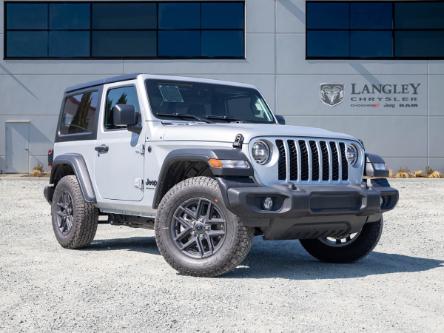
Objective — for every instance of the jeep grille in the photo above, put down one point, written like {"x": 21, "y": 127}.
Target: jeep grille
{"x": 312, "y": 160}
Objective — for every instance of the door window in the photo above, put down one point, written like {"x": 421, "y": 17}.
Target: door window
{"x": 121, "y": 95}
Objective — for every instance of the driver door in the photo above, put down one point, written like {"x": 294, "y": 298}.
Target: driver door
{"x": 119, "y": 153}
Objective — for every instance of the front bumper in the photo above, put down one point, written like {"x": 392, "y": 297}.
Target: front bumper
{"x": 308, "y": 211}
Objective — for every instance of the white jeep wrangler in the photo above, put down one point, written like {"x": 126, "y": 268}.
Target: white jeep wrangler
{"x": 208, "y": 166}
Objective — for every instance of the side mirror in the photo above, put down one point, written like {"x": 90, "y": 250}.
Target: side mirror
{"x": 126, "y": 115}
{"x": 280, "y": 119}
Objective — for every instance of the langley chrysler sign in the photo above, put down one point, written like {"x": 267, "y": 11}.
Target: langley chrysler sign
{"x": 365, "y": 95}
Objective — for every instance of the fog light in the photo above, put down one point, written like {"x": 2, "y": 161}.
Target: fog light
{"x": 268, "y": 203}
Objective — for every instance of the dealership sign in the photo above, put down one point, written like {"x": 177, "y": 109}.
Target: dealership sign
{"x": 363, "y": 95}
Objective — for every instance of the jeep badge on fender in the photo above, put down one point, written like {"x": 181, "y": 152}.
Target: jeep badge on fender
{"x": 220, "y": 168}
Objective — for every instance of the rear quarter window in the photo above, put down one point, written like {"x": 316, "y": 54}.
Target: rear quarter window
{"x": 79, "y": 113}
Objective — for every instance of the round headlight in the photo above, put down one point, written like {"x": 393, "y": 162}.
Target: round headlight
{"x": 261, "y": 152}
{"x": 352, "y": 154}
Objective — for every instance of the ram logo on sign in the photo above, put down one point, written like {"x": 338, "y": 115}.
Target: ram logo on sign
{"x": 332, "y": 94}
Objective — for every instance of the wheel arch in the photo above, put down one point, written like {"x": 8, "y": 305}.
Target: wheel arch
{"x": 182, "y": 164}
{"x": 73, "y": 164}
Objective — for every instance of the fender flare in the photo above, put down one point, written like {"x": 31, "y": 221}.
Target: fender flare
{"x": 200, "y": 155}
{"x": 78, "y": 165}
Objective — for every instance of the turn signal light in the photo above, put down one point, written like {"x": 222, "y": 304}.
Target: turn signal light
{"x": 228, "y": 164}
{"x": 214, "y": 163}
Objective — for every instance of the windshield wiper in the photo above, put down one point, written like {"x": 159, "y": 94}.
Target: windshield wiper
{"x": 183, "y": 116}
{"x": 225, "y": 118}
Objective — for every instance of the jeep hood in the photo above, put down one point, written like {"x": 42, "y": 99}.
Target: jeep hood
{"x": 227, "y": 132}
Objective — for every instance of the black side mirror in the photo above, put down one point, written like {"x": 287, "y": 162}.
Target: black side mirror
{"x": 280, "y": 119}
{"x": 126, "y": 115}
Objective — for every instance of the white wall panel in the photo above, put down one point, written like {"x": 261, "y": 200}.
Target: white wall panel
{"x": 290, "y": 16}
{"x": 260, "y": 16}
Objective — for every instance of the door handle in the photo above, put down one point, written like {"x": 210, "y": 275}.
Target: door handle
{"x": 102, "y": 149}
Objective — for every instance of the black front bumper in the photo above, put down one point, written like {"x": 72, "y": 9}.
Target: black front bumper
{"x": 308, "y": 211}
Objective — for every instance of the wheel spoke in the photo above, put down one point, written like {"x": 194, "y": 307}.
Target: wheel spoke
{"x": 216, "y": 221}
{"x": 200, "y": 246}
{"x": 199, "y": 212}
{"x": 68, "y": 222}
{"x": 60, "y": 213}
{"x": 189, "y": 212}
{"x": 210, "y": 243}
{"x": 209, "y": 208}
{"x": 183, "y": 234}
{"x": 215, "y": 233}
{"x": 189, "y": 243}
{"x": 186, "y": 224}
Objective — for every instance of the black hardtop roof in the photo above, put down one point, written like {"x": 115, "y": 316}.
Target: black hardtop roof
{"x": 96, "y": 83}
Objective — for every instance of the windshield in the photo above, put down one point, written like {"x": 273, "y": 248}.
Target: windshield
{"x": 207, "y": 102}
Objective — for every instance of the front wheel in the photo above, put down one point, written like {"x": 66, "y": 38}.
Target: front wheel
{"x": 347, "y": 249}
{"x": 196, "y": 234}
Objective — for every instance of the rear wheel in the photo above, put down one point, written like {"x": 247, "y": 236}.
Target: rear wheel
{"x": 346, "y": 249}
{"x": 196, "y": 234}
{"x": 74, "y": 221}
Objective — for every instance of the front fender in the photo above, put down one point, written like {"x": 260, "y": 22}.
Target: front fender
{"x": 199, "y": 155}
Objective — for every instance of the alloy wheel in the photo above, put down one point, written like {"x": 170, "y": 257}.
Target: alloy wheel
{"x": 198, "y": 228}
{"x": 65, "y": 213}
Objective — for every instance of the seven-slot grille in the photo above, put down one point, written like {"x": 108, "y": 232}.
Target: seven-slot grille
{"x": 312, "y": 160}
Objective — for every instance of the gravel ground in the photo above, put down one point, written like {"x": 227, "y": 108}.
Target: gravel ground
{"x": 122, "y": 283}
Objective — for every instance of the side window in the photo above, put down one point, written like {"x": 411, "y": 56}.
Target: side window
{"x": 121, "y": 95}
{"x": 79, "y": 113}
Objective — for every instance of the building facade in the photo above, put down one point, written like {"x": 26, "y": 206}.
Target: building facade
{"x": 371, "y": 69}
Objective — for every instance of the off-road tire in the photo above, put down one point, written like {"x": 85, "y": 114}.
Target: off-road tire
{"x": 364, "y": 243}
{"x": 84, "y": 216}
{"x": 235, "y": 247}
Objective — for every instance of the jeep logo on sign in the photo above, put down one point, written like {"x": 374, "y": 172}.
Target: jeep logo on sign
{"x": 332, "y": 94}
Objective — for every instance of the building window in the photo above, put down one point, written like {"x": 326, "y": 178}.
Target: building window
{"x": 375, "y": 30}
{"x": 124, "y": 30}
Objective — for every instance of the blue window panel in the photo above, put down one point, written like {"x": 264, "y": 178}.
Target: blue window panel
{"x": 179, "y": 43}
{"x": 371, "y": 16}
{"x": 179, "y": 15}
{"x": 419, "y": 44}
{"x": 223, "y": 15}
{"x": 371, "y": 44}
{"x": 417, "y": 15}
{"x": 324, "y": 15}
{"x": 124, "y": 16}
{"x": 27, "y": 16}
{"x": 69, "y": 43}
{"x": 223, "y": 44}
{"x": 69, "y": 16}
{"x": 27, "y": 44}
{"x": 325, "y": 44}
{"x": 124, "y": 43}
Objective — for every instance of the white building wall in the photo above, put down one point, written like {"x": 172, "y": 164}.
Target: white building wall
{"x": 275, "y": 50}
